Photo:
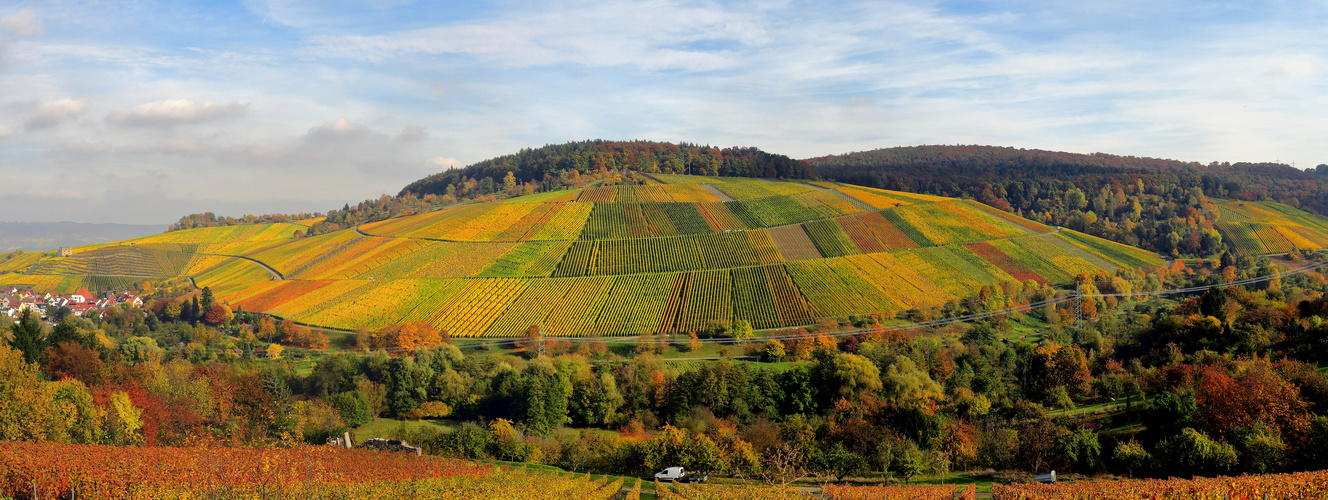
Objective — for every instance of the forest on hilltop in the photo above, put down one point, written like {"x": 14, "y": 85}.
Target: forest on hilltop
{"x": 548, "y": 162}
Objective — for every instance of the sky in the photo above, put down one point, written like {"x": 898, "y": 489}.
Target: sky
{"x": 143, "y": 111}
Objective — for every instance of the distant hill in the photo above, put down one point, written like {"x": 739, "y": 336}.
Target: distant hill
{"x": 672, "y": 256}
{"x": 34, "y": 236}
{"x": 1162, "y": 205}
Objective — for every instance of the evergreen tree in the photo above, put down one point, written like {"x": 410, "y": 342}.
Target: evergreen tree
{"x": 282, "y": 421}
{"x": 1212, "y": 301}
{"x": 205, "y": 304}
{"x": 65, "y": 332}
{"x": 29, "y": 338}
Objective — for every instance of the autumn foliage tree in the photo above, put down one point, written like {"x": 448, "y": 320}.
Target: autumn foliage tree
{"x": 1258, "y": 394}
{"x": 405, "y": 337}
{"x": 1064, "y": 366}
{"x": 73, "y": 360}
{"x": 218, "y": 314}
{"x": 23, "y": 406}
{"x": 303, "y": 336}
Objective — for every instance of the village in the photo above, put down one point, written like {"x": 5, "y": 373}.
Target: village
{"x": 14, "y": 301}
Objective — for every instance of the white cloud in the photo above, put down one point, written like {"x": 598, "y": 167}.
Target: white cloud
{"x": 24, "y": 23}
{"x": 176, "y": 111}
{"x": 340, "y": 129}
{"x": 55, "y": 112}
{"x": 1296, "y": 68}
{"x": 5, "y": 131}
{"x": 444, "y": 163}
{"x": 412, "y": 133}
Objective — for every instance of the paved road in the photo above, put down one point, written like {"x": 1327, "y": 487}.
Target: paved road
{"x": 275, "y": 275}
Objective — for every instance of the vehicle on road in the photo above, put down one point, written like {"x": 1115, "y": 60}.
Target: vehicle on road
{"x": 679, "y": 475}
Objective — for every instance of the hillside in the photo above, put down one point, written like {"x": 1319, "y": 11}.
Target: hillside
{"x": 669, "y": 257}
{"x": 1263, "y": 227}
{"x": 1162, "y": 205}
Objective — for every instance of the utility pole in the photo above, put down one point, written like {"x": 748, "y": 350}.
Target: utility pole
{"x": 541, "y": 338}
{"x": 1078, "y": 309}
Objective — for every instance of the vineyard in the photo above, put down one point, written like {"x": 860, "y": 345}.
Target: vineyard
{"x": 1270, "y": 486}
{"x": 48, "y": 470}
{"x": 1262, "y": 227}
{"x": 619, "y": 260}
{"x": 727, "y": 492}
{"x": 119, "y": 261}
{"x": 54, "y": 470}
{"x": 933, "y": 492}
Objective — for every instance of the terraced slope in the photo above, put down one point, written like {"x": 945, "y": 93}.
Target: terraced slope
{"x": 1262, "y": 227}
{"x": 670, "y": 258}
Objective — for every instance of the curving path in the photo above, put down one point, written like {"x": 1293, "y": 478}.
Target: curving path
{"x": 276, "y": 276}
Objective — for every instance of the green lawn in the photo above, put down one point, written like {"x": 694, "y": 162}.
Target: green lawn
{"x": 384, "y": 427}
{"x": 958, "y": 478}
{"x": 338, "y": 339}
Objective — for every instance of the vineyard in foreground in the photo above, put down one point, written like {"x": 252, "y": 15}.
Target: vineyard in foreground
{"x": 614, "y": 260}
{"x": 48, "y": 470}
{"x": 1268, "y": 486}
{"x": 31, "y": 470}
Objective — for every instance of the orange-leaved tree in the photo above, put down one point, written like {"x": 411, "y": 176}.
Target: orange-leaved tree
{"x": 406, "y": 337}
{"x": 1259, "y": 394}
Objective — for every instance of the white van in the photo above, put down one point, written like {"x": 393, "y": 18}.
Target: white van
{"x": 678, "y": 474}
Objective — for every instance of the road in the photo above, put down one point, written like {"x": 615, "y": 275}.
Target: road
{"x": 275, "y": 275}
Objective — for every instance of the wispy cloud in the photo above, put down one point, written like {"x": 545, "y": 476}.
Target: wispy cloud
{"x": 173, "y": 112}
{"x": 339, "y": 130}
{"x": 657, "y": 35}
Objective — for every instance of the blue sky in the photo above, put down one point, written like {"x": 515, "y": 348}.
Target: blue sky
{"x": 140, "y": 112}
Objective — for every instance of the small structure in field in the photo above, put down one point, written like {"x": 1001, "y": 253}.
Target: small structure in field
{"x": 342, "y": 441}
{"x": 394, "y": 445}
